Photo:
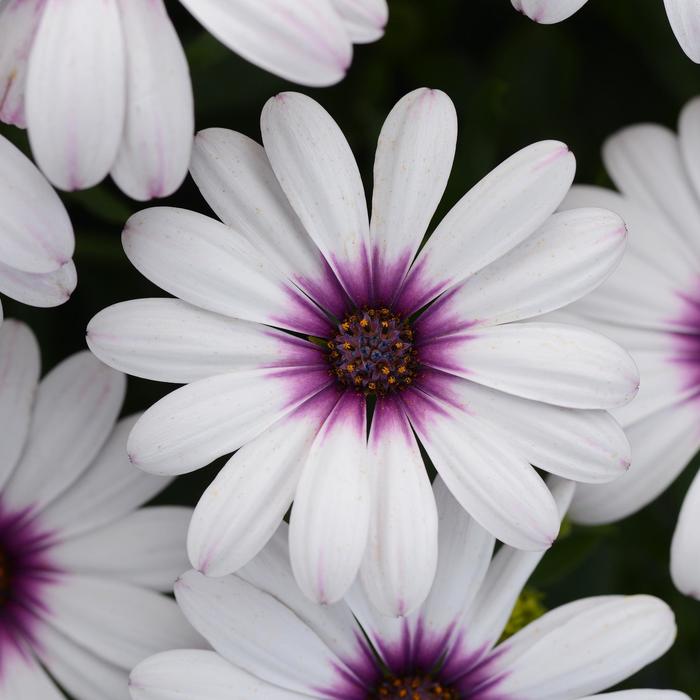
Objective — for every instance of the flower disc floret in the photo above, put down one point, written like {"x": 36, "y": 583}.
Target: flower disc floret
{"x": 414, "y": 688}
{"x": 374, "y": 352}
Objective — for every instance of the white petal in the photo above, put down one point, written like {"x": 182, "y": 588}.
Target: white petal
{"x": 667, "y": 378}
{"x": 76, "y": 407}
{"x": 169, "y": 340}
{"x": 645, "y": 163}
{"x": 204, "y": 420}
{"x": 271, "y": 573}
{"x": 673, "y": 261}
{"x": 76, "y": 91}
{"x": 413, "y": 162}
{"x": 637, "y": 294}
{"x": 594, "y": 650}
{"x": 685, "y": 563}
{"x": 564, "y": 260}
{"x": 331, "y": 514}
{"x": 118, "y": 622}
{"x": 246, "y": 502}
{"x": 558, "y": 364}
{"x": 159, "y": 127}
{"x": 401, "y": 558}
{"x": 19, "y": 376}
{"x": 689, "y": 137}
{"x": 36, "y": 234}
{"x": 23, "y": 678}
{"x": 43, "y": 290}
{"x": 199, "y": 675}
{"x": 496, "y": 486}
{"x": 256, "y": 632}
{"x": 108, "y": 490}
{"x": 464, "y": 555}
{"x": 662, "y": 445}
{"x": 583, "y": 445}
{"x": 234, "y": 175}
{"x": 364, "y": 19}
{"x": 317, "y": 171}
{"x": 18, "y": 24}
{"x": 684, "y": 16}
{"x": 482, "y": 622}
{"x": 499, "y": 212}
{"x": 212, "y": 266}
{"x": 548, "y": 11}
{"x": 640, "y": 695}
{"x": 303, "y": 42}
{"x": 83, "y": 674}
{"x": 145, "y": 548}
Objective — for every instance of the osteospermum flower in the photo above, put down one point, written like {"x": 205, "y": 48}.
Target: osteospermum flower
{"x": 652, "y": 306}
{"x": 684, "y": 16}
{"x": 269, "y": 642}
{"x": 36, "y": 236}
{"x": 485, "y": 397}
{"x": 104, "y": 87}
{"x": 80, "y": 564}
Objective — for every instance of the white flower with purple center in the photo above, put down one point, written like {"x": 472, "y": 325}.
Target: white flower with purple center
{"x": 81, "y": 565}
{"x": 36, "y": 235}
{"x": 297, "y": 252}
{"x": 652, "y": 306}
{"x": 684, "y": 16}
{"x": 270, "y": 642}
{"x": 104, "y": 87}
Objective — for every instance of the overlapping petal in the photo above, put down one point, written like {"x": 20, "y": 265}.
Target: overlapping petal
{"x": 306, "y": 42}
{"x": 76, "y": 91}
{"x": 159, "y": 117}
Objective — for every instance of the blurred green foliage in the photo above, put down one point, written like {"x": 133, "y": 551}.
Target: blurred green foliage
{"x": 614, "y": 63}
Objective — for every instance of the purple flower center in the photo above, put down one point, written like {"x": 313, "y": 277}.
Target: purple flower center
{"x": 414, "y": 688}
{"x": 25, "y": 571}
{"x": 374, "y": 352}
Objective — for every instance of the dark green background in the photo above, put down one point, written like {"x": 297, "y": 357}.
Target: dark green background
{"x": 614, "y": 63}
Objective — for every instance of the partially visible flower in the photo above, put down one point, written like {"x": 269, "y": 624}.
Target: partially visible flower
{"x": 485, "y": 396}
{"x": 651, "y": 305}
{"x": 270, "y": 642}
{"x": 36, "y": 235}
{"x": 81, "y": 566}
{"x": 104, "y": 87}
{"x": 684, "y": 16}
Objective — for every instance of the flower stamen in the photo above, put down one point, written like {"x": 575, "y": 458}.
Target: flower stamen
{"x": 373, "y": 352}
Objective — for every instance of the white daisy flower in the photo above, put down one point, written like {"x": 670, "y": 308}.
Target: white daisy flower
{"x": 104, "y": 87}
{"x": 652, "y": 306}
{"x": 81, "y": 565}
{"x": 486, "y": 397}
{"x": 684, "y": 16}
{"x": 268, "y": 641}
{"x": 36, "y": 235}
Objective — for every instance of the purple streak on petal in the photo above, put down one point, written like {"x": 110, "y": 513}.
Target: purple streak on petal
{"x": 356, "y": 676}
{"x": 474, "y": 673}
{"x": 443, "y": 317}
{"x": 418, "y": 289}
{"x": 303, "y": 315}
{"x": 388, "y": 276}
{"x": 295, "y": 351}
{"x": 441, "y": 353}
{"x": 351, "y": 410}
{"x": 301, "y": 383}
{"x": 356, "y": 278}
{"x": 686, "y": 344}
{"x": 437, "y": 383}
{"x": 326, "y": 291}
{"x": 420, "y": 407}
{"x": 25, "y": 549}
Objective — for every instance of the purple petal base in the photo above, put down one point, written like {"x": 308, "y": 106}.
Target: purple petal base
{"x": 24, "y": 548}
